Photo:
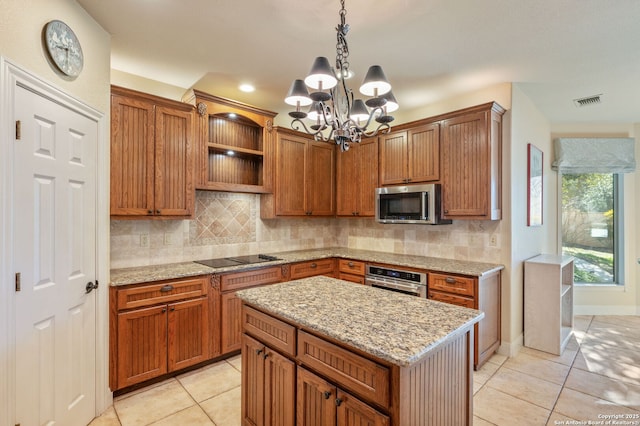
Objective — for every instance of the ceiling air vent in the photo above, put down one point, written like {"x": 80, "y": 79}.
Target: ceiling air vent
{"x": 590, "y": 100}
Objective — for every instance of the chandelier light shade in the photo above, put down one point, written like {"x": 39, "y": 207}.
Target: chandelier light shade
{"x": 334, "y": 113}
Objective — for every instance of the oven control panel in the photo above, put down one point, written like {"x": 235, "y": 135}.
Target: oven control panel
{"x": 398, "y": 274}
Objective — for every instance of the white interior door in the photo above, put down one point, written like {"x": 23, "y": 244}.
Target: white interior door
{"x": 54, "y": 246}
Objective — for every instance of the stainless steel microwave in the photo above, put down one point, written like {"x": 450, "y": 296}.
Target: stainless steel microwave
{"x": 409, "y": 204}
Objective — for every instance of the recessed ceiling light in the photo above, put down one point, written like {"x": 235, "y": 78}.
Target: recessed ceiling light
{"x": 246, "y": 88}
{"x": 231, "y": 152}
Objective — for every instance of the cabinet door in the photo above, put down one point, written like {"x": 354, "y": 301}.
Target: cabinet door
{"x": 188, "y": 333}
{"x": 279, "y": 391}
{"x": 316, "y": 400}
{"x": 174, "y": 164}
{"x": 353, "y": 412}
{"x": 368, "y": 176}
{"x": 320, "y": 178}
{"x": 348, "y": 181}
{"x": 142, "y": 345}
{"x": 290, "y": 176}
{"x": 252, "y": 381}
{"x": 393, "y": 158}
{"x": 230, "y": 322}
{"x": 424, "y": 153}
{"x": 132, "y": 151}
{"x": 466, "y": 166}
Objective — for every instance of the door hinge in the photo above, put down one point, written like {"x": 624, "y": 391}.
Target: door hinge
{"x": 18, "y": 279}
{"x": 18, "y": 130}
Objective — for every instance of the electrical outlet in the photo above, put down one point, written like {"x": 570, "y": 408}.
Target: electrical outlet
{"x": 144, "y": 240}
{"x": 493, "y": 240}
{"x": 167, "y": 239}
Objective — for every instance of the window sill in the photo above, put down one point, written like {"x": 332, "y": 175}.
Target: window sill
{"x": 598, "y": 287}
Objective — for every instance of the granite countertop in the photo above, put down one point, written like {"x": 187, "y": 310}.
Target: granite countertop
{"x": 394, "y": 327}
{"x": 136, "y": 275}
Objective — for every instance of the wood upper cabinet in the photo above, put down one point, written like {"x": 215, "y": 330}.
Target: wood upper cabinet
{"x": 151, "y": 156}
{"x": 157, "y": 328}
{"x": 471, "y": 163}
{"x": 226, "y": 126}
{"x": 304, "y": 182}
{"x": 357, "y": 179}
{"x": 410, "y": 156}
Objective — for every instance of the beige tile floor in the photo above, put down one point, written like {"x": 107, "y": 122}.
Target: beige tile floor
{"x": 598, "y": 375}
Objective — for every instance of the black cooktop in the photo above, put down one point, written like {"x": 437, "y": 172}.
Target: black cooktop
{"x": 237, "y": 260}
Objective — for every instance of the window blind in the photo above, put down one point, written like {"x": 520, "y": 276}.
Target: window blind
{"x": 594, "y": 155}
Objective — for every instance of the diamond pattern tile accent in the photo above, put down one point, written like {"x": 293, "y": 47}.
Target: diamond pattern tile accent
{"x": 223, "y": 218}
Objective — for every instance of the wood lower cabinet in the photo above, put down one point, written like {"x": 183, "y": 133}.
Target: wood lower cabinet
{"x": 357, "y": 179}
{"x": 224, "y": 290}
{"x": 335, "y": 385}
{"x": 482, "y": 293}
{"x": 472, "y": 163}
{"x": 304, "y": 183}
{"x": 152, "y": 165}
{"x": 351, "y": 270}
{"x": 154, "y": 331}
{"x": 312, "y": 268}
{"x": 268, "y": 386}
{"x": 320, "y": 403}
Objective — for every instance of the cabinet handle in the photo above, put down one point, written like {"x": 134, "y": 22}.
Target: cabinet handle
{"x": 166, "y": 288}
{"x": 446, "y": 212}
{"x": 265, "y": 355}
{"x": 164, "y": 310}
{"x": 350, "y": 264}
{"x": 259, "y": 351}
{"x": 157, "y": 211}
{"x": 314, "y": 265}
{"x": 450, "y": 280}
{"x": 149, "y": 211}
{"x": 173, "y": 308}
{"x": 338, "y": 402}
{"x": 327, "y": 394}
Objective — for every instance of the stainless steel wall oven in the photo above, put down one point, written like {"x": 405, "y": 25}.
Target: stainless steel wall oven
{"x": 408, "y": 282}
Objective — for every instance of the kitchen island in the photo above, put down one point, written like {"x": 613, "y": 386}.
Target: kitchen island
{"x": 321, "y": 351}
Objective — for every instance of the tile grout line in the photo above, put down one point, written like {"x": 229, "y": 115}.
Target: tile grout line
{"x": 586, "y": 331}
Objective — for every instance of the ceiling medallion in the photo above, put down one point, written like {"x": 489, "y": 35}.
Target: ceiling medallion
{"x": 335, "y": 114}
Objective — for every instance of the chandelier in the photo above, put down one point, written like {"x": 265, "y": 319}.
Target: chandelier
{"x": 333, "y": 110}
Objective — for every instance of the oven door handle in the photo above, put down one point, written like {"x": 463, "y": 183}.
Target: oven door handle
{"x": 406, "y": 287}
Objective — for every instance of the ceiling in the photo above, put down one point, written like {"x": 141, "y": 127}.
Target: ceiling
{"x": 556, "y": 50}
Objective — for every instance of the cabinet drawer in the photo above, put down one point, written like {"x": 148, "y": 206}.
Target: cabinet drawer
{"x": 452, "y": 299}
{"x": 351, "y": 266}
{"x": 358, "y": 279}
{"x": 269, "y": 330}
{"x": 161, "y": 292}
{"x": 238, "y": 280}
{"x": 452, "y": 284}
{"x": 360, "y": 375}
{"x": 311, "y": 268}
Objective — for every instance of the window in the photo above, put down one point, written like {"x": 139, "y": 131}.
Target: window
{"x": 592, "y": 226}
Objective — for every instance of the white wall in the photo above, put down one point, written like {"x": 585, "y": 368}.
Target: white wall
{"x": 613, "y": 300}
{"x": 528, "y": 125}
{"x": 21, "y": 24}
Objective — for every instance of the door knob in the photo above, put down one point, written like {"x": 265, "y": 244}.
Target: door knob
{"x": 90, "y": 287}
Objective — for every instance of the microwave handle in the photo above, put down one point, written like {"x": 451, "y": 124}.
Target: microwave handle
{"x": 424, "y": 201}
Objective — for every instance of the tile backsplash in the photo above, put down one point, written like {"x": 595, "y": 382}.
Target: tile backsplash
{"x": 229, "y": 224}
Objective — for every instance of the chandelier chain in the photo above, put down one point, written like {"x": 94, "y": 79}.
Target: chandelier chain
{"x": 342, "y": 49}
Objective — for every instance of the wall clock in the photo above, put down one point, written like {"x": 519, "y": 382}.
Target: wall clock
{"x": 63, "y": 48}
